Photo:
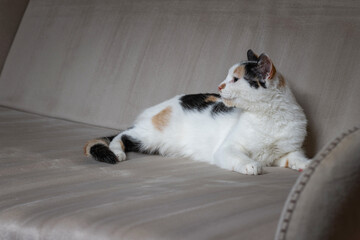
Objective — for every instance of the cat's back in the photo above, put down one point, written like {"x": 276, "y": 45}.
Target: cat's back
{"x": 207, "y": 105}
{"x": 190, "y": 125}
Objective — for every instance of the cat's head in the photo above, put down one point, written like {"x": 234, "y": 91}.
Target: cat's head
{"x": 250, "y": 81}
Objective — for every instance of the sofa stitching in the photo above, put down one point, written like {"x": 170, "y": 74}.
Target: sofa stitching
{"x": 304, "y": 179}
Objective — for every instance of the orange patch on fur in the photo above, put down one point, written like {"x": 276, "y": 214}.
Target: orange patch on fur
{"x": 239, "y": 71}
{"x": 211, "y": 99}
{"x": 281, "y": 81}
{"x": 287, "y": 163}
{"x": 161, "y": 120}
{"x": 122, "y": 145}
{"x": 91, "y": 143}
{"x": 272, "y": 72}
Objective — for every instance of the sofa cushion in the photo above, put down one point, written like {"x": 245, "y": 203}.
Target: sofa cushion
{"x": 50, "y": 190}
{"x": 324, "y": 202}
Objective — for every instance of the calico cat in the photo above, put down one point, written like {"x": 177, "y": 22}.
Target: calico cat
{"x": 253, "y": 121}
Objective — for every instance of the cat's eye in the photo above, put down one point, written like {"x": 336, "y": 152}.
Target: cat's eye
{"x": 235, "y": 79}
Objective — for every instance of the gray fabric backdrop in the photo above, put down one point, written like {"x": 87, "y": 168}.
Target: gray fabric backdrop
{"x": 101, "y": 62}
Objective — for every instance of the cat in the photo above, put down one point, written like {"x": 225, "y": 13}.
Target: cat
{"x": 252, "y": 122}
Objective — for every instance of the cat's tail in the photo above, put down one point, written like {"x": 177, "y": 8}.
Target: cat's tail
{"x": 100, "y": 151}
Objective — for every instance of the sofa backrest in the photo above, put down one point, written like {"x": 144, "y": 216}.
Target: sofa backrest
{"x": 102, "y": 62}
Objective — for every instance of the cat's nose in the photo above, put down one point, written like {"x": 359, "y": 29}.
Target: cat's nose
{"x": 222, "y": 86}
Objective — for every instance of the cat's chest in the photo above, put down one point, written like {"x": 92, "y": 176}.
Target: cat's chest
{"x": 255, "y": 131}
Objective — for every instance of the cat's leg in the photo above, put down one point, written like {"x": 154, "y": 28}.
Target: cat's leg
{"x": 237, "y": 161}
{"x": 127, "y": 141}
{"x": 118, "y": 147}
{"x": 295, "y": 160}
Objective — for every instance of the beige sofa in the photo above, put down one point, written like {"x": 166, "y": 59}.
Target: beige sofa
{"x": 77, "y": 70}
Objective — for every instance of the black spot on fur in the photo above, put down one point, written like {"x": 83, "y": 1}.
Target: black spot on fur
{"x": 251, "y": 55}
{"x": 102, "y": 153}
{"x": 262, "y": 83}
{"x": 131, "y": 144}
{"x": 220, "y": 108}
{"x": 252, "y": 83}
{"x": 197, "y": 101}
{"x": 253, "y": 76}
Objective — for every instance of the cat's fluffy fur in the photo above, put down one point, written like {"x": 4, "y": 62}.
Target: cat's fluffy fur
{"x": 253, "y": 122}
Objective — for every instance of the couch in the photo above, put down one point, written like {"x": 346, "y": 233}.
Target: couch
{"x": 77, "y": 70}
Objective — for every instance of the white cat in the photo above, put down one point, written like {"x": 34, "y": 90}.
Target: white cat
{"x": 253, "y": 122}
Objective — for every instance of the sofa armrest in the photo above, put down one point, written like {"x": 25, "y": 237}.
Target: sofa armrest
{"x": 324, "y": 203}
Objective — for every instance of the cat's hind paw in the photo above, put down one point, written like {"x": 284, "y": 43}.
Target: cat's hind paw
{"x": 253, "y": 168}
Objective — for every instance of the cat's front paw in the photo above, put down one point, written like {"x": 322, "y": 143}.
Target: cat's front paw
{"x": 121, "y": 156}
{"x": 299, "y": 165}
{"x": 253, "y": 168}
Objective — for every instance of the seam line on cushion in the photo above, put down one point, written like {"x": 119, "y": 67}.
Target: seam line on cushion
{"x": 57, "y": 118}
{"x": 303, "y": 180}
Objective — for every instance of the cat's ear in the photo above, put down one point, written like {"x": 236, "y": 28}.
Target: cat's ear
{"x": 252, "y": 56}
{"x": 265, "y": 67}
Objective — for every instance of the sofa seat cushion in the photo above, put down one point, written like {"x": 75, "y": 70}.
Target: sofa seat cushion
{"x": 50, "y": 190}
